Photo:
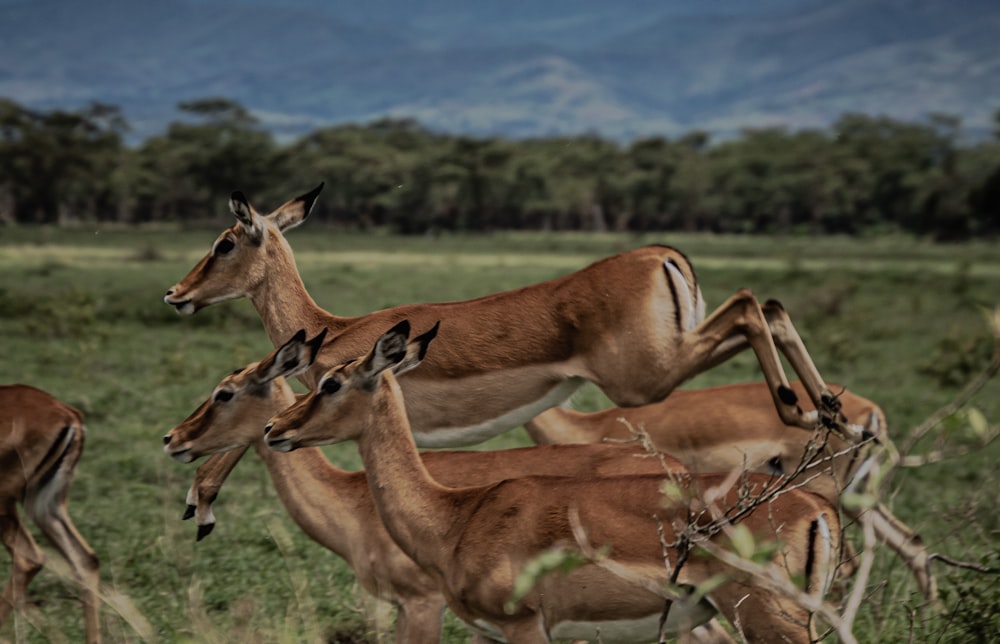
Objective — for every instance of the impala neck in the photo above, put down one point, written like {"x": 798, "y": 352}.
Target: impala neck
{"x": 416, "y": 510}
{"x": 320, "y": 498}
{"x": 282, "y": 301}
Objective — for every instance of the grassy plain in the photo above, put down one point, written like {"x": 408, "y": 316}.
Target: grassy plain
{"x": 81, "y": 316}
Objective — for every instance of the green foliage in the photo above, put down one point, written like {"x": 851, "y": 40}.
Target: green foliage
{"x": 974, "y": 601}
{"x": 68, "y": 314}
{"x": 59, "y": 161}
{"x": 956, "y": 357}
{"x": 863, "y": 175}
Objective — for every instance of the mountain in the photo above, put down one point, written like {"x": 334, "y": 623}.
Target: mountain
{"x": 516, "y": 68}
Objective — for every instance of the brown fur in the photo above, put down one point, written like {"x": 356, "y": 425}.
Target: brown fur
{"x": 41, "y": 440}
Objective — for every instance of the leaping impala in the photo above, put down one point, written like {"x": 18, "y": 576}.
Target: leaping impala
{"x": 41, "y": 440}
{"x": 335, "y": 507}
{"x": 734, "y": 426}
{"x": 634, "y": 324}
{"x": 474, "y": 540}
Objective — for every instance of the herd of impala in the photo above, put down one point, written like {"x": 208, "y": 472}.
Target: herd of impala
{"x": 643, "y": 483}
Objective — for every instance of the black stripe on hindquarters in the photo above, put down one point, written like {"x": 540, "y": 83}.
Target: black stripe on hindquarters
{"x": 673, "y": 293}
{"x": 56, "y": 456}
{"x": 690, "y": 266}
{"x": 811, "y": 553}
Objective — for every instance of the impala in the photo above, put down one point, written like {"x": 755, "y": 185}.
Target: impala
{"x": 41, "y": 440}
{"x": 734, "y": 426}
{"x": 634, "y": 324}
{"x": 335, "y": 508}
{"x": 474, "y": 540}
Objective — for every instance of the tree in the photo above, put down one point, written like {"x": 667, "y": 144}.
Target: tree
{"x": 911, "y": 171}
{"x": 654, "y": 162}
{"x": 59, "y": 164}
{"x": 188, "y": 170}
{"x": 752, "y": 188}
{"x": 590, "y": 179}
{"x": 377, "y": 174}
{"x": 473, "y": 173}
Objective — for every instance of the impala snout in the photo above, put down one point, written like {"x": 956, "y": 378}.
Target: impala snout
{"x": 183, "y": 305}
{"x": 279, "y": 441}
{"x": 177, "y": 450}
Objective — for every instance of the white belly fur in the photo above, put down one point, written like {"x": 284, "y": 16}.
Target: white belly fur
{"x": 638, "y": 631}
{"x": 626, "y": 631}
{"x": 474, "y": 434}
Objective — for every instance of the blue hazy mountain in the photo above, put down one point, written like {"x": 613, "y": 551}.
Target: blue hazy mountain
{"x": 517, "y": 67}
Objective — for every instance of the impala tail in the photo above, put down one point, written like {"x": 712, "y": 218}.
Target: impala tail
{"x": 689, "y": 305}
{"x": 822, "y": 557}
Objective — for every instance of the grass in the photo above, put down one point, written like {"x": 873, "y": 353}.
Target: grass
{"x": 81, "y": 316}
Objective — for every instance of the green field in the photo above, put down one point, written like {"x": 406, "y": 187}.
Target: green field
{"x": 81, "y": 316}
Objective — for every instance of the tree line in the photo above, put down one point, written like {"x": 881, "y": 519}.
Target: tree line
{"x": 863, "y": 174}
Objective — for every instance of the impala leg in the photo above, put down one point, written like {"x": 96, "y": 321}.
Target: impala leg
{"x": 46, "y": 505}
{"x": 741, "y": 317}
{"x": 909, "y": 547}
{"x": 528, "y": 631}
{"x": 419, "y": 622}
{"x": 900, "y": 537}
{"x": 58, "y": 528}
{"x": 208, "y": 480}
{"x": 710, "y": 632}
{"x": 788, "y": 341}
{"x": 26, "y": 560}
{"x": 479, "y": 638}
{"x": 763, "y": 616}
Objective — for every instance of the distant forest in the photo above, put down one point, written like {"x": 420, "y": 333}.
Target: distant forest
{"x": 863, "y": 175}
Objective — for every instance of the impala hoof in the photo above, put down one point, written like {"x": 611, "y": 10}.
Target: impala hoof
{"x": 204, "y": 530}
{"x": 831, "y": 402}
{"x": 188, "y": 512}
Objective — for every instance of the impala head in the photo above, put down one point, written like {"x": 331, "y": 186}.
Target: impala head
{"x": 243, "y": 402}
{"x": 335, "y": 410}
{"x": 240, "y": 256}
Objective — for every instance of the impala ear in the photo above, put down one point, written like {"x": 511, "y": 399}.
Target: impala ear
{"x": 246, "y": 216}
{"x": 315, "y": 345}
{"x": 389, "y": 351}
{"x": 416, "y": 349}
{"x": 290, "y": 359}
{"x": 294, "y": 212}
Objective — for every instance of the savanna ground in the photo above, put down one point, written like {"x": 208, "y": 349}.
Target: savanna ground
{"x": 81, "y": 316}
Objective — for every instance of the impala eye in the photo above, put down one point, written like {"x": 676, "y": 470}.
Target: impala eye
{"x": 224, "y": 246}
{"x": 330, "y": 386}
{"x": 222, "y": 395}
